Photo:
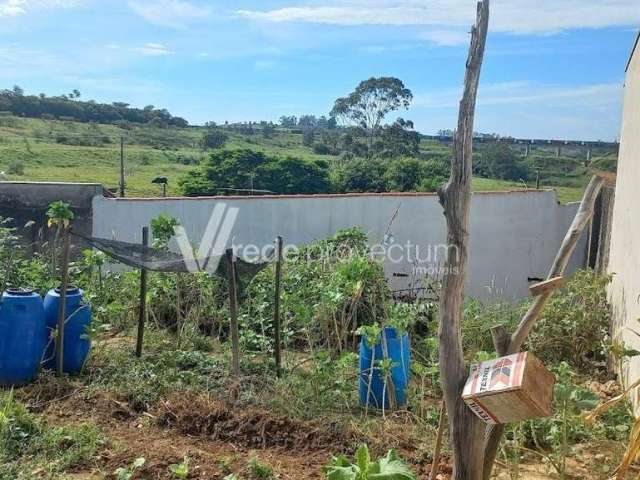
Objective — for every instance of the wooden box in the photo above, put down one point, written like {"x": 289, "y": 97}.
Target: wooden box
{"x": 510, "y": 389}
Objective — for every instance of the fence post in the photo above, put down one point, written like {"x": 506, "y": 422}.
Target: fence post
{"x": 233, "y": 311}
{"x": 276, "y": 303}
{"x": 63, "y": 301}
{"x": 142, "y": 314}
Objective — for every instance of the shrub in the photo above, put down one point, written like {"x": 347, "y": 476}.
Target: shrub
{"x": 214, "y": 139}
{"x": 231, "y": 168}
{"x": 575, "y": 323}
{"x": 16, "y": 168}
{"x": 323, "y": 149}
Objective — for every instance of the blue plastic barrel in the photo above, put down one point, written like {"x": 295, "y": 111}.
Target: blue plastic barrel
{"x": 399, "y": 349}
{"x": 22, "y": 336}
{"x": 77, "y": 319}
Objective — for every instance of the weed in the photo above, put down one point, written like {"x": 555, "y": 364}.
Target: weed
{"x": 180, "y": 470}
{"x": 127, "y": 473}
{"x": 27, "y": 442}
{"x": 260, "y": 470}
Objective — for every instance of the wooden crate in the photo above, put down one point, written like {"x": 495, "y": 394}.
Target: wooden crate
{"x": 510, "y": 389}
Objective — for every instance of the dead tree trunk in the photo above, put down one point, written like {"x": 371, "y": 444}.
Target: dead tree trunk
{"x": 466, "y": 429}
{"x": 506, "y": 344}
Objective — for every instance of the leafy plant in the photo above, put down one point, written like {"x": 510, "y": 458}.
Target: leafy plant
{"x": 127, "y": 473}
{"x": 574, "y": 325}
{"x": 260, "y": 470}
{"x": 567, "y": 425}
{"x": 163, "y": 229}
{"x": 60, "y": 214}
{"x": 389, "y": 467}
{"x": 181, "y": 470}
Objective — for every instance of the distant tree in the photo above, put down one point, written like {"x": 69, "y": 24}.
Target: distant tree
{"x": 404, "y": 174}
{"x": 360, "y": 175}
{"x": 41, "y": 106}
{"x": 307, "y": 121}
{"x": 368, "y": 105}
{"x": 213, "y": 138}
{"x": 288, "y": 121}
{"x": 398, "y": 140}
{"x": 235, "y": 168}
{"x": 500, "y": 161}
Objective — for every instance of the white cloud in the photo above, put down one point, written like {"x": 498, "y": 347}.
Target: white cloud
{"x": 153, "y": 50}
{"x": 13, "y": 8}
{"x": 169, "y": 13}
{"x": 446, "y": 38}
{"x": 513, "y": 16}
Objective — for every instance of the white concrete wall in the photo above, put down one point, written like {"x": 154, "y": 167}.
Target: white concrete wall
{"x": 514, "y": 235}
{"x": 624, "y": 256}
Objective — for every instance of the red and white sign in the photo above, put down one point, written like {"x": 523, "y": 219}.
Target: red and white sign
{"x": 493, "y": 376}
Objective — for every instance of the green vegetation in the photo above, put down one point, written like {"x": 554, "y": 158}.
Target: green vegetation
{"x": 389, "y": 467}
{"x": 364, "y": 157}
{"x": 271, "y": 173}
{"x": 332, "y": 291}
{"x": 70, "y": 107}
{"x": 28, "y": 443}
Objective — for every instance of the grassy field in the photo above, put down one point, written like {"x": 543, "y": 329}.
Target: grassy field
{"x": 51, "y": 150}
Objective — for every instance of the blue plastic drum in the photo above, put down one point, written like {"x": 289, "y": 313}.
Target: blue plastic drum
{"x": 399, "y": 349}
{"x": 22, "y": 336}
{"x": 77, "y": 320}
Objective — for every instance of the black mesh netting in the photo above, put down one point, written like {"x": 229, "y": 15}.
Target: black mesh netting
{"x": 139, "y": 256}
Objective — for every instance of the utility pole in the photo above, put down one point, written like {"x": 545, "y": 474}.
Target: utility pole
{"x": 122, "y": 166}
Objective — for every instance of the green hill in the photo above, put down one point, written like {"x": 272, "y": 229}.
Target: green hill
{"x": 59, "y": 150}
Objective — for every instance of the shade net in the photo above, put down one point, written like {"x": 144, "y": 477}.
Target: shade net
{"x": 149, "y": 258}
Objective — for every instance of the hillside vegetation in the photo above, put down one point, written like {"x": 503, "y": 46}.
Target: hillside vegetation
{"x": 64, "y": 150}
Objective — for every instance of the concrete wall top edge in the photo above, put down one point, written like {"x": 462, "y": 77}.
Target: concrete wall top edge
{"x": 325, "y": 195}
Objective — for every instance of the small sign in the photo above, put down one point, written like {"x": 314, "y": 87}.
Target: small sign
{"x": 509, "y": 389}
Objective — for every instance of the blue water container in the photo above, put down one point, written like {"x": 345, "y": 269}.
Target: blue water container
{"x": 22, "y": 336}
{"x": 77, "y": 319}
{"x": 399, "y": 349}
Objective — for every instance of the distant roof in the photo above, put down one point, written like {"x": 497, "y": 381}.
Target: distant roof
{"x": 633, "y": 50}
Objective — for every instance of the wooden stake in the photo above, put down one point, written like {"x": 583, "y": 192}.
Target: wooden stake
{"x": 276, "y": 308}
{"x": 546, "y": 286}
{"x": 63, "y": 301}
{"x": 142, "y": 313}
{"x": 233, "y": 312}
{"x": 437, "y": 451}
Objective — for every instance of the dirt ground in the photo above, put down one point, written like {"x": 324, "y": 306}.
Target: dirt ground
{"x": 217, "y": 438}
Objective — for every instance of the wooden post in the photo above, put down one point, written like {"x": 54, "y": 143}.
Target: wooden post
{"x": 63, "y": 301}
{"x": 142, "y": 314}
{"x": 122, "y": 167}
{"x": 465, "y": 428}
{"x": 233, "y": 312}
{"x": 276, "y": 310}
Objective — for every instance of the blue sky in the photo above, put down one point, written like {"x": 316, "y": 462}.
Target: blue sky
{"x": 553, "y": 68}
